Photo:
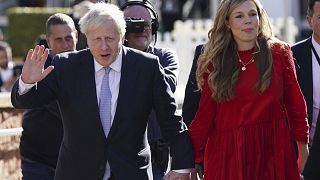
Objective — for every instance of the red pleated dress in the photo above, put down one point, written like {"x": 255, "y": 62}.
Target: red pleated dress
{"x": 251, "y": 136}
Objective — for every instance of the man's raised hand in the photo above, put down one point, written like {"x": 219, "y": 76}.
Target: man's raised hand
{"x": 33, "y": 69}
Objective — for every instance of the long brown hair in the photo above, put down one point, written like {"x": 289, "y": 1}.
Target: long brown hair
{"x": 220, "y": 52}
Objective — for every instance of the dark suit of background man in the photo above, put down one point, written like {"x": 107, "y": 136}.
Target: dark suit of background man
{"x": 308, "y": 74}
{"x": 192, "y": 93}
{"x": 137, "y": 84}
{"x": 140, "y": 37}
{"x": 42, "y": 126}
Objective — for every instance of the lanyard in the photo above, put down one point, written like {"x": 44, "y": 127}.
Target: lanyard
{"x": 315, "y": 53}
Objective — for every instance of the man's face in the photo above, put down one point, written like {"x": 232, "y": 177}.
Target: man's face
{"x": 314, "y": 21}
{"x": 62, "y": 38}
{"x": 141, "y": 40}
{"x": 105, "y": 42}
{"x": 3, "y": 59}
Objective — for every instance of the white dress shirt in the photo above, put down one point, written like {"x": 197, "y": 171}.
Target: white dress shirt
{"x": 114, "y": 81}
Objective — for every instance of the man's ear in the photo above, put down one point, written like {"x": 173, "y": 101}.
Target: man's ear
{"x": 77, "y": 37}
{"x": 309, "y": 20}
{"x": 48, "y": 41}
{"x": 123, "y": 38}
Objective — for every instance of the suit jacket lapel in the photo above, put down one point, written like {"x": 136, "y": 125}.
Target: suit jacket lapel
{"x": 90, "y": 92}
{"x": 306, "y": 76}
{"x": 127, "y": 81}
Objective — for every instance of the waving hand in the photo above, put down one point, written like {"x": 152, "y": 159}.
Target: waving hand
{"x": 33, "y": 68}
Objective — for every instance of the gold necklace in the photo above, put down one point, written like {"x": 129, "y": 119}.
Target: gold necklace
{"x": 244, "y": 65}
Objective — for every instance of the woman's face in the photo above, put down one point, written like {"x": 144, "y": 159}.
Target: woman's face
{"x": 244, "y": 25}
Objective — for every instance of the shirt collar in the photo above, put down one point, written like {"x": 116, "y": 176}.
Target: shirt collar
{"x": 116, "y": 65}
{"x": 150, "y": 49}
{"x": 315, "y": 44}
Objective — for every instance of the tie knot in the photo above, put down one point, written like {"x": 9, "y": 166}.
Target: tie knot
{"x": 107, "y": 70}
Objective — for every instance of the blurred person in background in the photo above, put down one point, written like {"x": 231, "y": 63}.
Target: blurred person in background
{"x": 41, "y": 40}
{"x": 306, "y": 54}
{"x": 42, "y": 127}
{"x": 141, "y": 39}
{"x": 200, "y": 9}
{"x": 79, "y": 1}
{"x": 78, "y": 11}
{"x": 32, "y": 3}
{"x": 8, "y": 71}
{"x": 171, "y": 10}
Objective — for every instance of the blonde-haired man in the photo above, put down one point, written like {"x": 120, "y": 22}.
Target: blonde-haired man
{"x": 105, "y": 94}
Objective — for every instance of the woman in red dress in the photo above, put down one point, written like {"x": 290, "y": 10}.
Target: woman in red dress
{"x": 251, "y": 106}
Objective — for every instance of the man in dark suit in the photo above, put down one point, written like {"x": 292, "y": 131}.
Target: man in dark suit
{"x": 141, "y": 38}
{"x": 42, "y": 126}
{"x": 192, "y": 93}
{"x": 105, "y": 138}
{"x": 306, "y": 54}
{"x": 192, "y": 98}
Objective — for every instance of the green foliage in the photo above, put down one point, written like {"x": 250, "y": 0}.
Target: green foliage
{"x": 25, "y": 25}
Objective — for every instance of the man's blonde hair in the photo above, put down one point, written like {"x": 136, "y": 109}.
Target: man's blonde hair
{"x": 100, "y": 12}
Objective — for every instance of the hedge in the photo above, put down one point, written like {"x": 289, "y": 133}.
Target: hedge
{"x": 25, "y": 25}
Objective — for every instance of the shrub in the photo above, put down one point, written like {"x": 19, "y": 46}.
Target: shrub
{"x": 25, "y": 25}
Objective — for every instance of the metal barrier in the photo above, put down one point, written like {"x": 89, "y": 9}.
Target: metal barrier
{"x": 10, "y": 131}
{"x": 6, "y": 107}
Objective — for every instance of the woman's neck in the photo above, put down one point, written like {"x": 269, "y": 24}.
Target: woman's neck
{"x": 244, "y": 46}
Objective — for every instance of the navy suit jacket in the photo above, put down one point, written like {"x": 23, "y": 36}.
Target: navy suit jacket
{"x": 85, "y": 149}
{"x": 192, "y": 93}
{"x": 302, "y": 54}
{"x": 42, "y": 132}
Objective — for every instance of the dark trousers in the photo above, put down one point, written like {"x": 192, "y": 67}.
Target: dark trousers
{"x": 158, "y": 172}
{"x": 32, "y": 170}
{"x": 111, "y": 177}
{"x": 306, "y": 178}
{"x": 159, "y": 158}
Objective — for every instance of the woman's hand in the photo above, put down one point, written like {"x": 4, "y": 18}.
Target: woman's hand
{"x": 172, "y": 175}
{"x": 198, "y": 172}
{"x": 303, "y": 155}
